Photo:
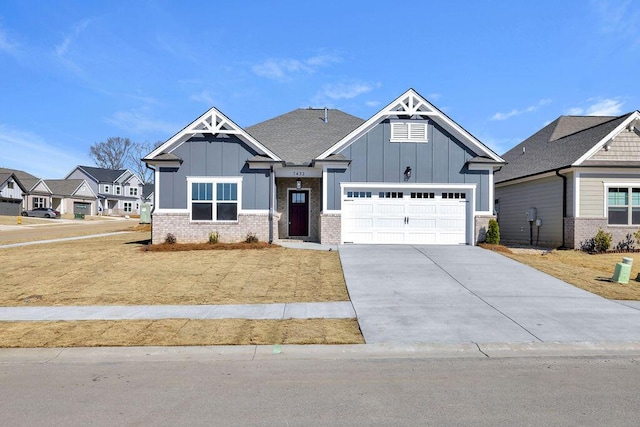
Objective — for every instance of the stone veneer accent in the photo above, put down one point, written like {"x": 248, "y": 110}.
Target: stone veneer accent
{"x": 197, "y": 232}
{"x": 481, "y": 225}
{"x": 330, "y": 229}
{"x": 314, "y": 185}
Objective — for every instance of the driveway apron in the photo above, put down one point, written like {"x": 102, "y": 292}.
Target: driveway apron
{"x": 459, "y": 294}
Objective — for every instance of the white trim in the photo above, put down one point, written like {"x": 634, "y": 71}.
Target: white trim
{"x": 211, "y": 122}
{"x": 324, "y": 188}
{"x": 491, "y": 195}
{"x": 611, "y": 135}
{"x": 576, "y": 194}
{"x": 411, "y": 103}
{"x": 404, "y": 185}
{"x": 605, "y": 200}
{"x": 308, "y": 190}
{"x": 215, "y": 180}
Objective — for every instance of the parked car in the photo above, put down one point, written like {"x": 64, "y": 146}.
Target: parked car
{"x": 42, "y": 212}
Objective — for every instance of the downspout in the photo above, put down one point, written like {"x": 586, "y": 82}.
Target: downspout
{"x": 271, "y": 184}
{"x": 564, "y": 201}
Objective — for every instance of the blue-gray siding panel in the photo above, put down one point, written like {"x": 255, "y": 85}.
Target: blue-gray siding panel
{"x": 440, "y": 161}
{"x": 214, "y": 157}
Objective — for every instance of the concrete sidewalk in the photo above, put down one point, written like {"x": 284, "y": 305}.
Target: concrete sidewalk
{"x": 324, "y": 310}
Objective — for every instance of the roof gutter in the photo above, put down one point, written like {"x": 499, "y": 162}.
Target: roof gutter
{"x": 564, "y": 201}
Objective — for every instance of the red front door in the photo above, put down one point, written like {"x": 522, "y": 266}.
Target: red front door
{"x": 299, "y": 213}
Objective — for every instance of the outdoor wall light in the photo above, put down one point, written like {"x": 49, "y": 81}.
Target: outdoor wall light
{"x": 407, "y": 173}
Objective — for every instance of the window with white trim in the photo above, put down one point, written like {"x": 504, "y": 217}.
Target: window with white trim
{"x": 127, "y": 206}
{"x": 133, "y": 191}
{"x": 10, "y": 185}
{"x": 623, "y": 206}
{"x": 39, "y": 202}
{"x": 117, "y": 190}
{"x": 106, "y": 188}
{"x": 409, "y": 131}
{"x": 214, "y": 200}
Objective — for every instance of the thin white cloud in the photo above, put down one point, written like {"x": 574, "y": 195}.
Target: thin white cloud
{"x": 6, "y": 44}
{"x": 286, "y": 68}
{"x": 204, "y": 97}
{"x": 372, "y": 103}
{"x": 517, "y": 111}
{"x": 138, "y": 122}
{"x": 62, "y": 48}
{"x": 618, "y": 18}
{"x": 434, "y": 96}
{"x": 599, "y": 107}
{"x": 31, "y": 153}
{"x": 330, "y": 93}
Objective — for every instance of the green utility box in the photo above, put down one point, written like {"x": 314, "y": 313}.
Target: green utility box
{"x": 145, "y": 213}
{"x": 78, "y": 216}
{"x": 621, "y": 273}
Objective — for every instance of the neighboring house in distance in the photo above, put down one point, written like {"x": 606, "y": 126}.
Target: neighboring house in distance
{"x": 72, "y": 196}
{"x": 580, "y": 173}
{"x": 11, "y": 191}
{"x": 119, "y": 190}
{"x": 36, "y": 193}
{"x": 148, "y": 193}
{"x": 409, "y": 174}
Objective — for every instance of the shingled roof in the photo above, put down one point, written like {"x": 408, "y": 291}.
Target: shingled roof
{"x": 63, "y": 187}
{"x": 102, "y": 174}
{"x": 301, "y": 135}
{"x": 558, "y": 145}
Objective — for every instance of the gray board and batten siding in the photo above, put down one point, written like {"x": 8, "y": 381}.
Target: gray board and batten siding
{"x": 214, "y": 157}
{"x": 374, "y": 158}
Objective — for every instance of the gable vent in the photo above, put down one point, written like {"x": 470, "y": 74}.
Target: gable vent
{"x": 408, "y": 131}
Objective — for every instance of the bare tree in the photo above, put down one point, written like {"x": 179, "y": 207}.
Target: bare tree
{"x": 112, "y": 153}
{"x": 136, "y": 153}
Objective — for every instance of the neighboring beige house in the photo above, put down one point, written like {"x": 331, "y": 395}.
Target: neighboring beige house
{"x": 119, "y": 191}
{"x": 576, "y": 175}
{"x": 72, "y": 196}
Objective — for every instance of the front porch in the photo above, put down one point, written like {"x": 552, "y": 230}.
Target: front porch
{"x": 298, "y": 204}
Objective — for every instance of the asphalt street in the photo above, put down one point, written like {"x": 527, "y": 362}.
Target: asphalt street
{"x": 568, "y": 391}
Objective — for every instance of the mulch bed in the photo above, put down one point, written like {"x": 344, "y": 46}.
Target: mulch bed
{"x": 179, "y": 247}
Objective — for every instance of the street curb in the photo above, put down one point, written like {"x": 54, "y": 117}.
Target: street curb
{"x": 320, "y": 352}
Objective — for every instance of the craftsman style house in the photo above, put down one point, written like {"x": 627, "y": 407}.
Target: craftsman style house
{"x": 571, "y": 178}
{"x": 409, "y": 174}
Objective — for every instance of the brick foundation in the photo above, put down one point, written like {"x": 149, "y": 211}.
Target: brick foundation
{"x": 330, "y": 229}
{"x": 586, "y": 228}
{"x": 186, "y": 231}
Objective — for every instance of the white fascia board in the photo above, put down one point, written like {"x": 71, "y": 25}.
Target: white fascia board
{"x": 576, "y": 195}
{"x": 214, "y": 114}
{"x": 415, "y": 101}
{"x": 632, "y": 117}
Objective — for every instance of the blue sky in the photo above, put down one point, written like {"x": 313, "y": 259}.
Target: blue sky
{"x": 73, "y": 73}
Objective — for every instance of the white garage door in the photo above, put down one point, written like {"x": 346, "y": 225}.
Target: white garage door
{"x": 411, "y": 216}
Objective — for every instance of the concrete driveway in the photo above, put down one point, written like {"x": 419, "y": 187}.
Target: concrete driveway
{"x": 457, "y": 294}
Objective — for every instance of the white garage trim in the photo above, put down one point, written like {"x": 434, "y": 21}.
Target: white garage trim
{"x": 395, "y": 218}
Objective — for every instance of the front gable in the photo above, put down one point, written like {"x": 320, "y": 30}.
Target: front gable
{"x": 411, "y": 109}
{"x": 622, "y": 144}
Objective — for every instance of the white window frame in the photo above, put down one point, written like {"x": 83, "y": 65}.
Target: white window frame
{"x": 106, "y": 189}
{"x": 10, "y": 185}
{"x": 117, "y": 190}
{"x": 39, "y": 202}
{"x": 629, "y": 206}
{"x": 128, "y": 207}
{"x": 214, "y": 181}
{"x": 133, "y": 191}
{"x": 409, "y": 131}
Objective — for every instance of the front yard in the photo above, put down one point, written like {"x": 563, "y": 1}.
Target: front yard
{"x": 116, "y": 270}
{"x": 585, "y": 271}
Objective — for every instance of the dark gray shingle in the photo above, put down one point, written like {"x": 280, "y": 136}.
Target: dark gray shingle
{"x": 552, "y": 148}
{"x": 301, "y": 135}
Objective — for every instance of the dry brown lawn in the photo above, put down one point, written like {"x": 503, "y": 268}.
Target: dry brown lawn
{"x": 585, "y": 271}
{"x": 115, "y": 270}
{"x": 178, "y": 332}
{"x": 45, "y": 229}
